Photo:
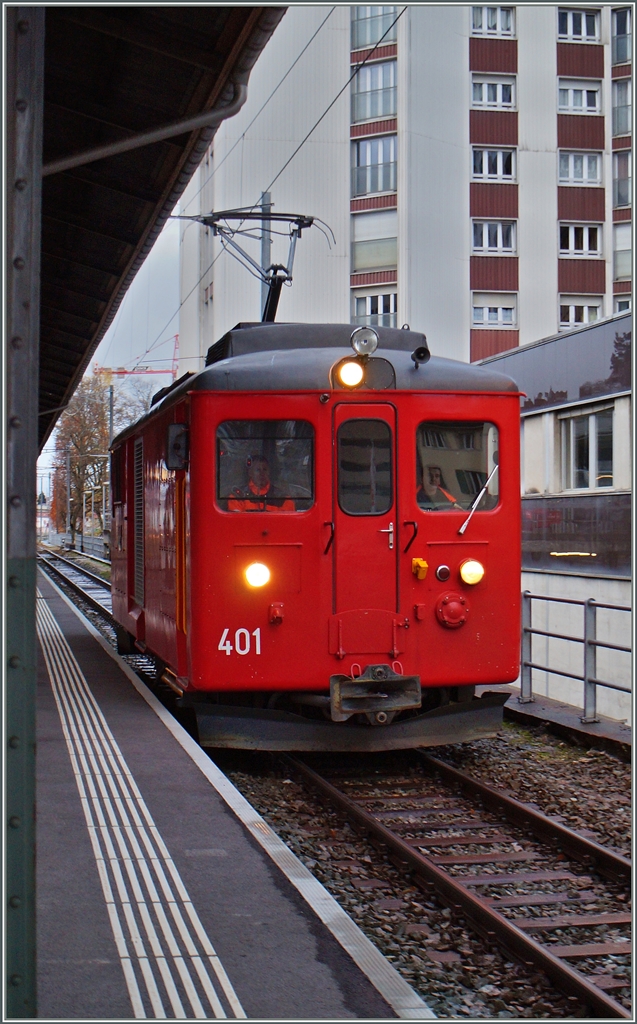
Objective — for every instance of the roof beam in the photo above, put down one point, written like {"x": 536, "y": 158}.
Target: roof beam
{"x": 155, "y": 42}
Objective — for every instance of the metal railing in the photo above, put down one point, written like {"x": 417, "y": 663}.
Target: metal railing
{"x": 622, "y": 191}
{"x": 622, "y": 47}
{"x": 621, "y": 120}
{"x": 367, "y": 31}
{"x": 373, "y": 103}
{"x": 372, "y": 178}
{"x": 588, "y": 640}
{"x": 376, "y": 320}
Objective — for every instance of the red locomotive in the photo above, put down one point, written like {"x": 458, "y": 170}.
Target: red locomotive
{"x": 318, "y": 538}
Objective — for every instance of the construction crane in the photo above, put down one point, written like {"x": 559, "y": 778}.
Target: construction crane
{"x": 121, "y": 371}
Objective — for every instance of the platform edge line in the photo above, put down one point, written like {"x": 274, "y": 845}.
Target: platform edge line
{"x": 397, "y": 992}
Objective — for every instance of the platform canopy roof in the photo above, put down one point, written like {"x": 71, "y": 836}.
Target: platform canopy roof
{"x": 110, "y": 73}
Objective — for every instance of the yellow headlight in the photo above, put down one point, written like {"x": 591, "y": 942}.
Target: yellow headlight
{"x": 351, "y": 374}
{"x": 471, "y": 571}
{"x": 257, "y": 574}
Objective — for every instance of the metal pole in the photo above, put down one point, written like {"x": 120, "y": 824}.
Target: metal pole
{"x": 24, "y": 61}
{"x": 110, "y": 414}
{"x": 83, "y": 520}
{"x": 590, "y": 662}
{"x": 68, "y": 493}
{"x": 526, "y": 672}
{"x": 266, "y": 244}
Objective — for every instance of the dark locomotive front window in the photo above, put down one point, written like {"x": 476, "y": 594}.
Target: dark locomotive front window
{"x": 454, "y": 461}
{"x": 364, "y": 467}
{"x": 265, "y": 465}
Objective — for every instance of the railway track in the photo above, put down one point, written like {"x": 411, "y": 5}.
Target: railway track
{"x": 91, "y": 588}
{"x": 547, "y": 895}
{"x": 95, "y": 593}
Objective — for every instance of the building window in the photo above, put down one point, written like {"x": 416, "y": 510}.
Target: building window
{"x": 374, "y": 166}
{"x": 494, "y": 310}
{"x": 622, "y": 181}
{"x": 623, "y": 305}
{"x": 622, "y": 36}
{"x": 494, "y": 164}
{"x": 493, "y": 92}
{"x": 578, "y": 26}
{"x": 579, "y": 97}
{"x": 623, "y": 251}
{"x": 578, "y": 310}
{"x": 375, "y": 310}
{"x": 493, "y": 237}
{"x": 374, "y": 240}
{"x": 374, "y": 92}
{"x": 492, "y": 21}
{"x": 580, "y": 168}
{"x": 580, "y": 239}
{"x": 622, "y": 107}
{"x": 370, "y": 24}
{"x": 587, "y": 448}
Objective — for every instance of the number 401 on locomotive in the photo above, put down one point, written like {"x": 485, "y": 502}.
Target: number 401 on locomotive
{"x": 317, "y": 537}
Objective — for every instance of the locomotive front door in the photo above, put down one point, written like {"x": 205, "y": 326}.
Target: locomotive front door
{"x": 365, "y": 516}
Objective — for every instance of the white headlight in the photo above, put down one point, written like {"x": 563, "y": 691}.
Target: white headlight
{"x": 257, "y": 574}
{"x": 364, "y": 341}
{"x": 351, "y": 374}
{"x": 471, "y": 571}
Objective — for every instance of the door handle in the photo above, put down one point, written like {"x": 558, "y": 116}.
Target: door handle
{"x": 390, "y": 531}
{"x": 331, "y": 540}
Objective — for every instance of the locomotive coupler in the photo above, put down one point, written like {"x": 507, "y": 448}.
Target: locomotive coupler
{"x": 378, "y": 693}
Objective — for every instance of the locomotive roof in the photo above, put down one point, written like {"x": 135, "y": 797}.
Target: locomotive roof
{"x": 299, "y": 357}
{"x": 289, "y": 357}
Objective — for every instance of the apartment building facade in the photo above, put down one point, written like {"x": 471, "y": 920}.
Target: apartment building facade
{"x": 475, "y": 172}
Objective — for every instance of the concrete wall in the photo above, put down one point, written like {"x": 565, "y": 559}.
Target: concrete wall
{"x": 434, "y": 174}
{"x": 612, "y": 626}
{"x": 537, "y": 172}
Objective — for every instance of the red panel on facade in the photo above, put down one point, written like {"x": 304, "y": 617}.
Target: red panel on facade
{"x": 493, "y": 199}
{"x": 500, "y": 55}
{"x": 581, "y": 277}
{"x": 494, "y": 273}
{"x": 575, "y": 203}
{"x": 622, "y": 142}
{"x": 489, "y": 343}
{"x": 380, "y": 53}
{"x": 580, "y": 60}
{"x": 375, "y": 277}
{"x": 494, "y": 127}
{"x": 373, "y": 128}
{"x": 625, "y": 213}
{"x": 580, "y": 131}
{"x": 621, "y": 287}
{"x": 621, "y": 71}
{"x": 373, "y": 203}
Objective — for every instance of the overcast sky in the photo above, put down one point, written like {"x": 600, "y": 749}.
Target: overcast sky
{"x": 144, "y": 327}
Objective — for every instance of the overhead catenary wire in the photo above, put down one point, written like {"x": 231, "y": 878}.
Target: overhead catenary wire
{"x": 287, "y": 163}
{"x": 263, "y": 106}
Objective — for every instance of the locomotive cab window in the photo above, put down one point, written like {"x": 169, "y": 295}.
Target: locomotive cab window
{"x": 265, "y": 465}
{"x": 365, "y": 467}
{"x": 454, "y": 461}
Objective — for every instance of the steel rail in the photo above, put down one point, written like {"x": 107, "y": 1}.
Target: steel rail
{"x": 607, "y": 862}
{"x": 76, "y": 588}
{"x": 484, "y": 918}
{"x": 80, "y": 568}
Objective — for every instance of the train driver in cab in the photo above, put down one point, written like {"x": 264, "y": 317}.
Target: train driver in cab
{"x": 432, "y": 494}
{"x": 259, "y": 494}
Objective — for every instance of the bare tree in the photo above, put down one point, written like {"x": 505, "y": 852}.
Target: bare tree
{"x": 81, "y": 445}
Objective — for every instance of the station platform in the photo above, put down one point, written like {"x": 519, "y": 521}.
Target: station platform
{"x": 161, "y": 893}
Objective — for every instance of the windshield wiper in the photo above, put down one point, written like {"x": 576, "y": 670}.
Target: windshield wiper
{"x": 476, "y": 501}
